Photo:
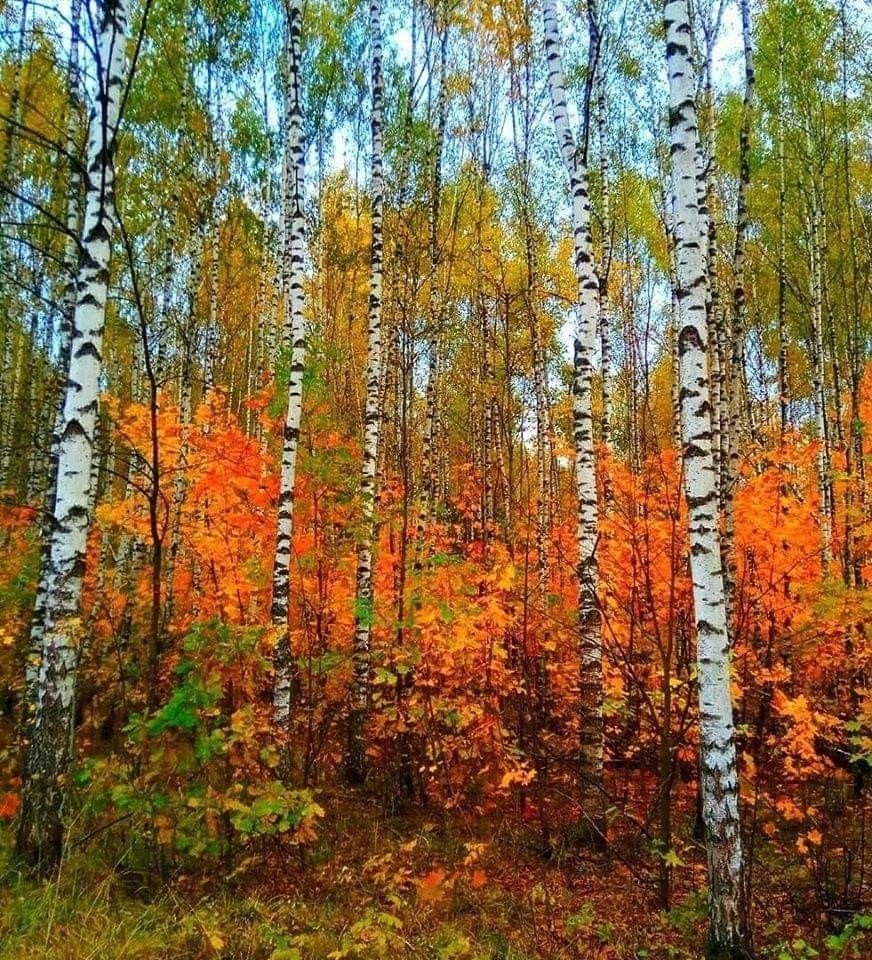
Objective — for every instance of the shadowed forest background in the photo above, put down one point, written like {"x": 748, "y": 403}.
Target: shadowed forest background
{"x": 433, "y": 479}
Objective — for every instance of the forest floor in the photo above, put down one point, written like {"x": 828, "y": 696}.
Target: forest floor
{"x": 377, "y": 886}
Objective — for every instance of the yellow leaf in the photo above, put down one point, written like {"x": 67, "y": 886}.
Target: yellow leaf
{"x": 216, "y": 941}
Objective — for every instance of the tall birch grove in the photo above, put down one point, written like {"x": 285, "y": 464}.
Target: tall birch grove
{"x": 434, "y": 479}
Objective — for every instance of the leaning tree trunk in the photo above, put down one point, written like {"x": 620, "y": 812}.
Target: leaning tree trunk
{"x": 728, "y": 931}
{"x": 292, "y": 270}
{"x": 363, "y": 601}
{"x": 40, "y": 835}
{"x": 590, "y": 640}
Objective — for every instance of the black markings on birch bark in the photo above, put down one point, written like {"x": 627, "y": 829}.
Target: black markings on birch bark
{"x": 597, "y": 56}
{"x": 783, "y": 384}
{"x": 855, "y": 455}
{"x": 40, "y": 835}
{"x": 728, "y": 932}
{"x": 70, "y": 268}
{"x": 295, "y": 332}
{"x": 436, "y": 319}
{"x": 364, "y": 598}
{"x": 736, "y": 383}
{"x": 819, "y": 386}
{"x": 590, "y": 643}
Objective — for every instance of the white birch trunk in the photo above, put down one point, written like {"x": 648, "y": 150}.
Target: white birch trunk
{"x": 70, "y": 263}
{"x": 429, "y": 452}
{"x": 292, "y": 270}
{"x": 783, "y": 387}
{"x": 41, "y": 825}
{"x": 730, "y": 451}
{"x": 728, "y": 935}
{"x": 596, "y": 38}
{"x": 363, "y": 601}
{"x": 819, "y": 388}
{"x": 590, "y": 646}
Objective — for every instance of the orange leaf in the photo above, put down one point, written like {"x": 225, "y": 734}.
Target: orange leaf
{"x": 9, "y": 804}
{"x": 478, "y": 879}
{"x": 431, "y": 888}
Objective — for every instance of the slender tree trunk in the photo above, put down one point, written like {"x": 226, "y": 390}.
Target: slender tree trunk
{"x": 595, "y": 29}
{"x": 819, "y": 387}
{"x": 783, "y": 386}
{"x": 68, "y": 306}
{"x": 210, "y": 359}
{"x": 40, "y": 834}
{"x": 292, "y": 270}
{"x": 363, "y": 602}
{"x": 855, "y": 337}
{"x": 180, "y": 480}
{"x": 429, "y": 452}
{"x": 728, "y": 933}
{"x": 540, "y": 395}
{"x": 7, "y": 266}
{"x": 490, "y": 431}
{"x": 730, "y": 465}
{"x": 591, "y": 688}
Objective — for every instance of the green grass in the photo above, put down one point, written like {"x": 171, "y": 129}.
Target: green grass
{"x": 373, "y": 888}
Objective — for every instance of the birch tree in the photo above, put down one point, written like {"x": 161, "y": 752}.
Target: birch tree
{"x": 70, "y": 265}
{"x": 596, "y": 29}
{"x": 730, "y": 464}
{"x": 292, "y": 277}
{"x": 728, "y": 932}
{"x": 363, "y": 601}
{"x": 40, "y": 836}
{"x": 435, "y": 315}
{"x": 588, "y": 318}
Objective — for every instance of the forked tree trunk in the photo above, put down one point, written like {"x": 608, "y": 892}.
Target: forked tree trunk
{"x": 590, "y": 641}
{"x": 728, "y": 931}
{"x": 40, "y": 835}
{"x": 363, "y": 601}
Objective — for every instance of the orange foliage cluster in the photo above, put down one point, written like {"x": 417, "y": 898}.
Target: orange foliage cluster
{"x": 459, "y": 671}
